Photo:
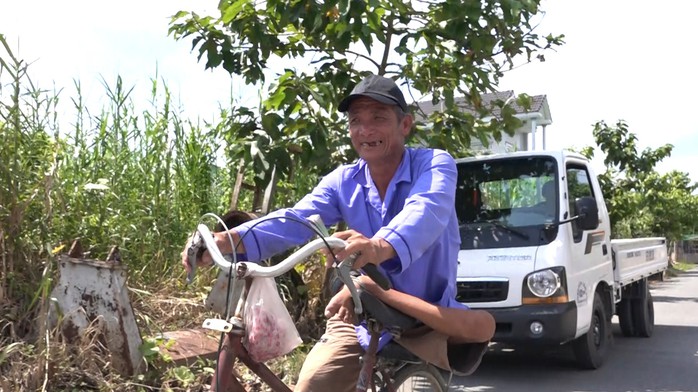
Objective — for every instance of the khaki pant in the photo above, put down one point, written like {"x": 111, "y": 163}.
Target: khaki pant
{"x": 333, "y": 364}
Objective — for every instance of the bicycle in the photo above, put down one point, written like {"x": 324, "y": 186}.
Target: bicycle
{"x": 393, "y": 369}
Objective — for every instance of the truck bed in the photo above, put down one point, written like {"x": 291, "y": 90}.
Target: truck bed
{"x": 638, "y": 258}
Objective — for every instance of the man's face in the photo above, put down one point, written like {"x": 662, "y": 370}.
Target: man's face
{"x": 375, "y": 130}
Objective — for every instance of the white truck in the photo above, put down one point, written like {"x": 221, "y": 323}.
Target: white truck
{"x": 536, "y": 252}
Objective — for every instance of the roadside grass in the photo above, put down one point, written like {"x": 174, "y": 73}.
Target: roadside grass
{"x": 679, "y": 267}
{"x": 174, "y": 308}
{"x": 55, "y": 363}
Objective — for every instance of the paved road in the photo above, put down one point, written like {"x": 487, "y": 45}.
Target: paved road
{"x": 666, "y": 362}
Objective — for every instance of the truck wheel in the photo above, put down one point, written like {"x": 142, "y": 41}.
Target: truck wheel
{"x": 591, "y": 348}
{"x": 625, "y": 318}
{"x": 643, "y": 312}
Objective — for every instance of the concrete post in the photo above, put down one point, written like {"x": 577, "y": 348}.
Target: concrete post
{"x": 93, "y": 293}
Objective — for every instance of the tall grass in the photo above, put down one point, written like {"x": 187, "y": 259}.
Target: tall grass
{"x": 138, "y": 179}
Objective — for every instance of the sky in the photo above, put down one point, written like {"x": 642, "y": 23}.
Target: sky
{"x": 623, "y": 60}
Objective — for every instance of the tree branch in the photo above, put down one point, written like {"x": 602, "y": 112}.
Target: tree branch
{"x": 386, "y": 49}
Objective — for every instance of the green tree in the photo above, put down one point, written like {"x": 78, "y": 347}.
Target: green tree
{"x": 442, "y": 49}
{"x": 641, "y": 201}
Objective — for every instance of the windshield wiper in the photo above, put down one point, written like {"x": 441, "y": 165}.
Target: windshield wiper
{"x": 508, "y": 228}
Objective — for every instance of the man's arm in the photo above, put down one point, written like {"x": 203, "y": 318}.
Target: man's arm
{"x": 460, "y": 325}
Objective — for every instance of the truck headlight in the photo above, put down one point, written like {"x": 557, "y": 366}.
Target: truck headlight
{"x": 543, "y": 283}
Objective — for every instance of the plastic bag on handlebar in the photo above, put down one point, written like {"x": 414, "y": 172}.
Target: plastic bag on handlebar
{"x": 269, "y": 330}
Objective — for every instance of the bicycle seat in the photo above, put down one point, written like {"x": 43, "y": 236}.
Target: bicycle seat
{"x": 391, "y": 318}
{"x": 394, "y": 321}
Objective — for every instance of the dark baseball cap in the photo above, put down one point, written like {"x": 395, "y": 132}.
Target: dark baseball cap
{"x": 380, "y": 88}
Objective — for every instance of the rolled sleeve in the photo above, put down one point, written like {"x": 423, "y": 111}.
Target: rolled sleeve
{"x": 397, "y": 241}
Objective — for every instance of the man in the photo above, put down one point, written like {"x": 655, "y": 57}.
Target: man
{"x": 398, "y": 203}
{"x": 544, "y": 210}
{"x": 548, "y": 194}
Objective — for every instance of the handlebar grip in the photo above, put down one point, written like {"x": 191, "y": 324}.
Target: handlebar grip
{"x": 191, "y": 260}
{"x": 194, "y": 253}
{"x": 374, "y": 273}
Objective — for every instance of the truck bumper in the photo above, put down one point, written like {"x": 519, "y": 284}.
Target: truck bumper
{"x": 559, "y": 323}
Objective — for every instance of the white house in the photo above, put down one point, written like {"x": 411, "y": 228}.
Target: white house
{"x": 531, "y": 134}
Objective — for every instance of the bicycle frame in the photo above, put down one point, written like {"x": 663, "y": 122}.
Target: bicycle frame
{"x": 232, "y": 349}
{"x": 224, "y": 379}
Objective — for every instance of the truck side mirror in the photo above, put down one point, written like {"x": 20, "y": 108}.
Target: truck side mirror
{"x": 587, "y": 213}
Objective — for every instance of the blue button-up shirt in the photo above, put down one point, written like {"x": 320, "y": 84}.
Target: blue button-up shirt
{"x": 416, "y": 217}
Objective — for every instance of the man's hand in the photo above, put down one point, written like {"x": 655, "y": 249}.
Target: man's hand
{"x": 222, "y": 241}
{"x": 342, "y": 305}
{"x": 205, "y": 260}
{"x": 368, "y": 250}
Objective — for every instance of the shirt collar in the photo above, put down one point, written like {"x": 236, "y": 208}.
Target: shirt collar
{"x": 403, "y": 174}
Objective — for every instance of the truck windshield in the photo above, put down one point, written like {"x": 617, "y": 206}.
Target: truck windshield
{"x": 507, "y": 202}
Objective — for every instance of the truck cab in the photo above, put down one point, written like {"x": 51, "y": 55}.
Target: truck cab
{"x": 536, "y": 250}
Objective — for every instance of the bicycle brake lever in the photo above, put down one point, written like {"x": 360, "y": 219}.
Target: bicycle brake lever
{"x": 344, "y": 272}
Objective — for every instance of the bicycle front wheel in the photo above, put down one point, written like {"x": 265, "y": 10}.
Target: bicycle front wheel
{"x": 419, "y": 378}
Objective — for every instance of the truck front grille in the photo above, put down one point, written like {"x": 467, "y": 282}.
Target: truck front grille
{"x": 491, "y": 291}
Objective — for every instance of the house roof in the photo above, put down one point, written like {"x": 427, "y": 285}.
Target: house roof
{"x": 539, "y": 104}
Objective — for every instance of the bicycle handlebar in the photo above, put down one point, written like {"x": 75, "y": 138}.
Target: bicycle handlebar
{"x": 203, "y": 239}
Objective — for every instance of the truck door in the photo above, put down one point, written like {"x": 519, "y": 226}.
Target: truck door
{"x": 589, "y": 249}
